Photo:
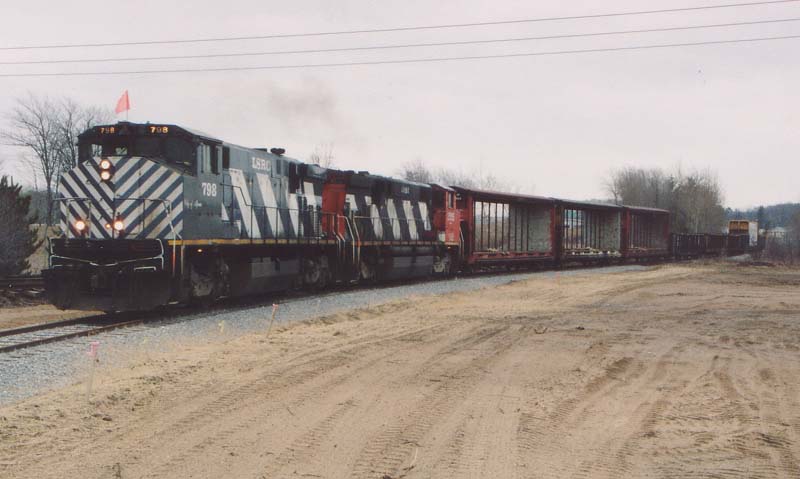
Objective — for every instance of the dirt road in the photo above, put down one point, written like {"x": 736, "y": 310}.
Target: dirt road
{"x": 680, "y": 371}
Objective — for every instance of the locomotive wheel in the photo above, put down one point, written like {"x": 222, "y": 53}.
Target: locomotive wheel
{"x": 441, "y": 265}
{"x": 367, "y": 271}
{"x": 315, "y": 273}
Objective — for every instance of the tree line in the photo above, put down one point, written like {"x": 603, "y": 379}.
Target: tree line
{"x": 768, "y": 217}
{"x": 694, "y": 199}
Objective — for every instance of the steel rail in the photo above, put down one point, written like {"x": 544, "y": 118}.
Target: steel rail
{"x": 91, "y": 330}
{"x": 22, "y": 282}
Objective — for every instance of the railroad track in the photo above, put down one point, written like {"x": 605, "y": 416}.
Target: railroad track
{"x": 38, "y": 334}
{"x": 22, "y": 282}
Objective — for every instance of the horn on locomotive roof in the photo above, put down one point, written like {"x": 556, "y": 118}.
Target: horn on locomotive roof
{"x": 277, "y": 151}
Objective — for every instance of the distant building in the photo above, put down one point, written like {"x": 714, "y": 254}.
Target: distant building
{"x": 778, "y": 232}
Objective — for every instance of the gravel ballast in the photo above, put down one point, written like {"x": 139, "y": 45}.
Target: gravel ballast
{"x": 31, "y": 371}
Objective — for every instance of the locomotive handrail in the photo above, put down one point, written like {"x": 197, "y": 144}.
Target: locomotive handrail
{"x": 426, "y": 225}
{"x": 167, "y": 207}
{"x": 317, "y": 232}
{"x": 92, "y": 204}
{"x": 356, "y": 240}
{"x": 80, "y": 200}
{"x": 160, "y": 258}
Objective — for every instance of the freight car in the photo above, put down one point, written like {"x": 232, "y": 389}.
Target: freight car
{"x": 155, "y": 214}
{"x": 688, "y": 246}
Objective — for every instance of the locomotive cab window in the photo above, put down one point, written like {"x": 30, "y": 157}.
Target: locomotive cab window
{"x": 216, "y": 154}
{"x": 294, "y": 178}
{"x": 439, "y": 200}
{"x": 226, "y": 158}
{"x": 175, "y": 150}
{"x": 204, "y": 158}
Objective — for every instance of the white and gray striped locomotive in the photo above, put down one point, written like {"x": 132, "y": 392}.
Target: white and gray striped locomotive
{"x": 157, "y": 214}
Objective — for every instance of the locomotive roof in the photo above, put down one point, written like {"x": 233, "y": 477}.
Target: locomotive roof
{"x": 190, "y": 131}
{"x": 444, "y": 187}
{"x": 371, "y": 176}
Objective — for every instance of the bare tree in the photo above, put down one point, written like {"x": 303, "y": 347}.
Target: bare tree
{"x": 450, "y": 177}
{"x": 418, "y": 171}
{"x": 74, "y": 119}
{"x": 323, "y": 156}
{"x": 49, "y": 129}
{"x": 33, "y": 124}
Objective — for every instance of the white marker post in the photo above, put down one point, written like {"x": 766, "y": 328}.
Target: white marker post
{"x": 274, "y": 312}
{"x": 93, "y": 354}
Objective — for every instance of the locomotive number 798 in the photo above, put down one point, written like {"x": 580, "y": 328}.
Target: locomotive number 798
{"x": 209, "y": 189}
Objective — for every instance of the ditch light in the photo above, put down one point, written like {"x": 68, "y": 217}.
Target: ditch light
{"x": 106, "y": 170}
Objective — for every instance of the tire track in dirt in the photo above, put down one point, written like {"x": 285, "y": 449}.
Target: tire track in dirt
{"x": 285, "y": 378}
{"x": 637, "y": 283}
{"x": 542, "y": 439}
{"x": 737, "y": 447}
{"x": 457, "y": 460}
{"x": 303, "y": 448}
{"x": 532, "y": 429}
{"x": 307, "y": 392}
{"x": 775, "y": 432}
{"x": 388, "y": 452}
{"x": 472, "y": 337}
{"x": 614, "y": 456}
{"x": 475, "y": 439}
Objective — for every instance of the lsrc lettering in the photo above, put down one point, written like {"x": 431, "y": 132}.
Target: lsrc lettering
{"x": 260, "y": 164}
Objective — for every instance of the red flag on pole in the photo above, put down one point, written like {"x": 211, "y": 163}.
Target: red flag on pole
{"x": 124, "y": 103}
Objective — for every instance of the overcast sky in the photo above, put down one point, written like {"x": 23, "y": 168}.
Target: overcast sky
{"x": 556, "y": 125}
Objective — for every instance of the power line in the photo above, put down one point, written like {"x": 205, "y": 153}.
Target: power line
{"x": 386, "y": 47}
{"x": 389, "y": 62}
{"x": 395, "y": 29}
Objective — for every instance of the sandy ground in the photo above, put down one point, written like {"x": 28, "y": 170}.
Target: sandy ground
{"x": 679, "y": 371}
{"x": 18, "y": 316}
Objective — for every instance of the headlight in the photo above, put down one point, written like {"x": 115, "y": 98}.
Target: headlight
{"x": 118, "y": 225}
{"x": 80, "y": 225}
{"x": 106, "y": 169}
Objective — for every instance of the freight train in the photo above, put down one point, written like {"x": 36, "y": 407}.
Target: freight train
{"x": 155, "y": 214}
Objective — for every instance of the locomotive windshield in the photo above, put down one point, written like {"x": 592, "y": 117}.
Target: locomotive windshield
{"x": 177, "y": 148}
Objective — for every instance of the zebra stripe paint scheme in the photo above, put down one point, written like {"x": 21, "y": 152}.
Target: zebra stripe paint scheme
{"x": 264, "y": 207}
{"x": 392, "y": 220}
{"x": 146, "y": 195}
